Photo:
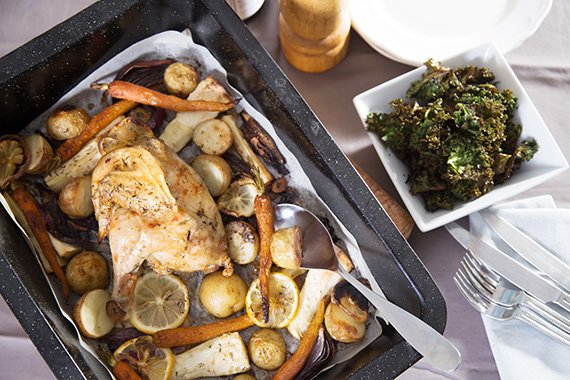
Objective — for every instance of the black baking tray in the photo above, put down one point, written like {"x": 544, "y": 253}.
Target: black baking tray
{"x": 35, "y": 76}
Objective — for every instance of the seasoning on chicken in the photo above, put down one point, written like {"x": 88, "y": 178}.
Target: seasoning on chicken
{"x": 154, "y": 207}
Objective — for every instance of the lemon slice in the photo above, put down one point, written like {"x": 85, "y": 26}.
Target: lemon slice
{"x": 145, "y": 358}
{"x": 160, "y": 302}
{"x": 283, "y": 301}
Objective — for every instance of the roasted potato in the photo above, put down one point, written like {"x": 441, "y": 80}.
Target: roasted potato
{"x": 287, "y": 247}
{"x": 214, "y": 171}
{"x": 267, "y": 349}
{"x": 91, "y": 316}
{"x": 41, "y": 154}
{"x": 342, "y": 327}
{"x": 75, "y": 198}
{"x": 222, "y": 295}
{"x": 350, "y": 300}
{"x": 243, "y": 376}
{"x": 87, "y": 271}
{"x": 67, "y": 122}
{"x": 213, "y": 137}
{"x": 180, "y": 79}
{"x": 243, "y": 242}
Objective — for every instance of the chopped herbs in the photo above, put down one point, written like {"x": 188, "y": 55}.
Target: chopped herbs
{"x": 455, "y": 134}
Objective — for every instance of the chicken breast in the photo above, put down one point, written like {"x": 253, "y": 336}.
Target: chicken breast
{"x": 155, "y": 207}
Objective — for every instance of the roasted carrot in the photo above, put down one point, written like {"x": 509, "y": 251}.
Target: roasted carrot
{"x": 265, "y": 225}
{"x": 295, "y": 363}
{"x": 182, "y": 336}
{"x": 123, "y": 371}
{"x": 34, "y": 217}
{"x": 71, "y": 146}
{"x": 130, "y": 91}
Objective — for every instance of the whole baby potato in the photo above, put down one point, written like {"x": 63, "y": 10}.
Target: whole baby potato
{"x": 87, "y": 271}
{"x": 67, "y": 122}
{"x": 222, "y": 295}
{"x": 267, "y": 349}
{"x": 180, "y": 79}
{"x": 75, "y": 198}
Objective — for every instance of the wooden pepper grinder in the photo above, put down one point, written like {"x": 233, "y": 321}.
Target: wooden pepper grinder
{"x": 314, "y": 33}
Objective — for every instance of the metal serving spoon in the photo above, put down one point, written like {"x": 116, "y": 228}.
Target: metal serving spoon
{"x": 318, "y": 253}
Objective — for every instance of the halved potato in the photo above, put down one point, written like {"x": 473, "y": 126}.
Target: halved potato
{"x": 341, "y": 326}
{"x": 350, "y": 300}
{"x": 90, "y": 314}
{"x": 214, "y": 171}
{"x": 287, "y": 247}
{"x": 213, "y": 137}
{"x": 243, "y": 242}
{"x": 41, "y": 154}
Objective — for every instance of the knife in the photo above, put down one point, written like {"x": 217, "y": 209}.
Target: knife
{"x": 509, "y": 268}
{"x": 529, "y": 249}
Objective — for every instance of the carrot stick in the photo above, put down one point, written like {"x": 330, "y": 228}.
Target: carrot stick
{"x": 266, "y": 225}
{"x": 123, "y": 371}
{"x": 34, "y": 217}
{"x": 295, "y": 363}
{"x": 130, "y": 91}
{"x": 182, "y": 336}
{"x": 71, "y": 146}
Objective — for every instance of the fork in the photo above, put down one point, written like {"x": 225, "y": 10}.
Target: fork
{"x": 502, "y": 291}
{"x": 503, "y": 313}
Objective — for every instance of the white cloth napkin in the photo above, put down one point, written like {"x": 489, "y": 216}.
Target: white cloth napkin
{"x": 520, "y": 351}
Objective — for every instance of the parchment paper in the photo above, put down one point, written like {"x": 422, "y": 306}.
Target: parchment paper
{"x": 180, "y": 46}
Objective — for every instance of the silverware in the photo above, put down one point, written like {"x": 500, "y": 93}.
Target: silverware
{"x": 501, "y": 291}
{"x": 318, "y": 253}
{"x": 509, "y": 268}
{"x": 529, "y": 249}
{"x": 503, "y": 313}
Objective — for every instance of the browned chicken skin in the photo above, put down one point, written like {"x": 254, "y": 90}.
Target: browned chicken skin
{"x": 155, "y": 207}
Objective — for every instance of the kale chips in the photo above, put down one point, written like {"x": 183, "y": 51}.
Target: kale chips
{"x": 455, "y": 134}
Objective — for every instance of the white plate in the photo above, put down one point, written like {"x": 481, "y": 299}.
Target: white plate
{"x": 411, "y": 31}
{"x": 245, "y": 8}
{"x": 548, "y": 162}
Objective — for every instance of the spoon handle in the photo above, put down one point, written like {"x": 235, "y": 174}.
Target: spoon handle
{"x": 435, "y": 348}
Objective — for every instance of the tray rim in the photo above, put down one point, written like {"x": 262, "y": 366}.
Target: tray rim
{"x": 307, "y": 120}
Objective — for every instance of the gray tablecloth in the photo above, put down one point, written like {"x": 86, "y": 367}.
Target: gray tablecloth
{"x": 542, "y": 63}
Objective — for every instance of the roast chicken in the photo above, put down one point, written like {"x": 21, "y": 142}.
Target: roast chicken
{"x": 155, "y": 207}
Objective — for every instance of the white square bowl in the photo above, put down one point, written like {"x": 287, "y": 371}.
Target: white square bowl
{"x": 548, "y": 161}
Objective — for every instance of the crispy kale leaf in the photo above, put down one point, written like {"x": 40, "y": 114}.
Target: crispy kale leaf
{"x": 455, "y": 134}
